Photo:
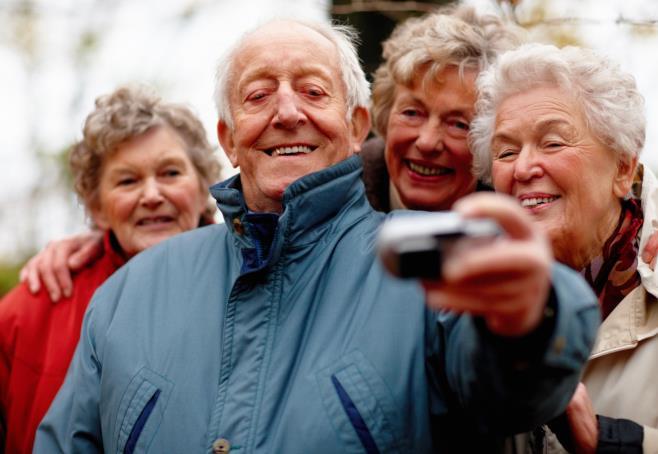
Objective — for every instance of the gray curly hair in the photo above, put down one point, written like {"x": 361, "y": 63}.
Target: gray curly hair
{"x": 451, "y": 36}
{"x": 611, "y": 103}
{"x": 126, "y": 113}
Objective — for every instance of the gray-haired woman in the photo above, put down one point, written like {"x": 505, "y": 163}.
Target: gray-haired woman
{"x": 561, "y": 130}
{"x": 141, "y": 170}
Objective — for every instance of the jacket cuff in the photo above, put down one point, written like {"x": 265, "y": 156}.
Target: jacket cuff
{"x": 619, "y": 436}
{"x": 524, "y": 350}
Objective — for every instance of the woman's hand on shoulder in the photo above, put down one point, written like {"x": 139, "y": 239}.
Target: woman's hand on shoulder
{"x": 651, "y": 250}
{"x": 53, "y": 266}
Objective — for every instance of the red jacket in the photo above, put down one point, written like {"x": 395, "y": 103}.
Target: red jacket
{"x": 37, "y": 341}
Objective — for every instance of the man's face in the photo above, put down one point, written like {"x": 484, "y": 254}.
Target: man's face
{"x": 289, "y": 109}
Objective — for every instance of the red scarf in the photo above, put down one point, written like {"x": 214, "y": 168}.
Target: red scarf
{"x": 613, "y": 274}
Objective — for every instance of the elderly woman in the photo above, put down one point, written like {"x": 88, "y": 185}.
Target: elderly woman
{"x": 141, "y": 171}
{"x": 561, "y": 130}
{"x": 423, "y": 103}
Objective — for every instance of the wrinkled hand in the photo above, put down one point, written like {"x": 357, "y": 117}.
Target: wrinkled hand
{"x": 651, "y": 250}
{"x": 507, "y": 281}
{"x": 55, "y": 263}
{"x": 582, "y": 421}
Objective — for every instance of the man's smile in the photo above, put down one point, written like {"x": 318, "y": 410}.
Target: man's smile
{"x": 287, "y": 150}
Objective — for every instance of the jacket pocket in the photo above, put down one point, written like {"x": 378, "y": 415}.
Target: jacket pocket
{"x": 361, "y": 407}
{"x": 140, "y": 411}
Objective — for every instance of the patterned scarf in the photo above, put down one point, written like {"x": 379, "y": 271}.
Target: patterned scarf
{"x": 613, "y": 274}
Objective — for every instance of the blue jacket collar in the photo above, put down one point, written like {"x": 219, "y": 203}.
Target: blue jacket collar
{"x": 308, "y": 203}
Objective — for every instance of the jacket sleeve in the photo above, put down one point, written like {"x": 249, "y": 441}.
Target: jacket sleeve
{"x": 504, "y": 385}
{"x": 72, "y": 424}
{"x": 7, "y": 328}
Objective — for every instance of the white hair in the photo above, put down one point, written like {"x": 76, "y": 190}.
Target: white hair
{"x": 344, "y": 38}
{"x": 610, "y": 101}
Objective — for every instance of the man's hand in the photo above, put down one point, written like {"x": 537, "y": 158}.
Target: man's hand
{"x": 582, "y": 421}
{"x": 507, "y": 282}
{"x": 55, "y": 263}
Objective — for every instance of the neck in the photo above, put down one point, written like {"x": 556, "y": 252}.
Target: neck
{"x": 588, "y": 248}
{"x": 276, "y": 208}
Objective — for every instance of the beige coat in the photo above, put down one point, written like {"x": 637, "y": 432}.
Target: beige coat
{"x": 622, "y": 373}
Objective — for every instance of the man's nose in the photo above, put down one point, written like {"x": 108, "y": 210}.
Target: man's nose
{"x": 430, "y": 137}
{"x": 527, "y": 165}
{"x": 151, "y": 193}
{"x": 289, "y": 114}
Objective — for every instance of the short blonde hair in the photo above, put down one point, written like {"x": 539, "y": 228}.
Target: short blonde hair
{"x": 126, "y": 113}
{"x": 610, "y": 101}
{"x": 451, "y": 36}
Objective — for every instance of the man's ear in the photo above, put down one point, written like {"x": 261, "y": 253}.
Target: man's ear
{"x": 626, "y": 167}
{"x": 359, "y": 127}
{"x": 225, "y": 135}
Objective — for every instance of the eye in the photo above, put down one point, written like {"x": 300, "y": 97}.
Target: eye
{"x": 553, "y": 145}
{"x": 413, "y": 114}
{"x": 314, "y": 92}
{"x": 171, "y": 172}
{"x": 126, "y": 181}
{"x": 458, "y": 127}
{"x": 505, "y": 155}
{"x": 256, "y": 96}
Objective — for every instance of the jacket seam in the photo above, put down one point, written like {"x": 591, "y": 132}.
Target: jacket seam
{"x": 225, "y": 369}
{"x": 267, "y": 354}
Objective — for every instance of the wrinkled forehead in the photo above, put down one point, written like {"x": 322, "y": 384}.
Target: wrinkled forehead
{"x": 303, "y": 42}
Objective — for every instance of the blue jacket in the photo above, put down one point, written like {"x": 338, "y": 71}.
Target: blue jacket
{"x": 299, "y": 344}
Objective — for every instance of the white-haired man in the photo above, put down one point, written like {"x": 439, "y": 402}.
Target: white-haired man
{"x": 279, "y": 330}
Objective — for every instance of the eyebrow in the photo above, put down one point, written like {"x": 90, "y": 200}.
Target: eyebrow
{"x": 264, "y": 72}
{"x": 541, "y": 126}
{"x": 546, "y": 124}
{"x": 165, "y": 161}
{"x": 463, "y": 110}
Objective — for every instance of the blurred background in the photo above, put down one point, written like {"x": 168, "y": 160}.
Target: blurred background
{"x": 57, "y": 56}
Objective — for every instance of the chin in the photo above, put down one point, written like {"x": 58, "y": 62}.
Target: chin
{"x": 155, "y": 239}
{"x": 426, "y": 203}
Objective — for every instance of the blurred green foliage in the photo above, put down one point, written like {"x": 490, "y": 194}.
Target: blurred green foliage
{"x": 8, "y": 276}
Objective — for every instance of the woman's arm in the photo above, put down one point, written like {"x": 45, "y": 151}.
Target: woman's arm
{"x": 54, "y": 265}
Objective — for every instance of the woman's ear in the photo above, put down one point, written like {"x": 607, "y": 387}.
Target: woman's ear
{"x": 626, "y": 167}
{"x": 225, "y": 135}
{"x": 98, "y": 216}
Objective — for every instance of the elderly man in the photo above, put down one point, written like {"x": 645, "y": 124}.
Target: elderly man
{"x": 279, "y": 331}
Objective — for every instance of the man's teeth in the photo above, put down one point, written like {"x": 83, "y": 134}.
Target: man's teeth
{"x": 292, "y": 150}
{"x": 428, "y": 171}
{"x": 535, "y": 201}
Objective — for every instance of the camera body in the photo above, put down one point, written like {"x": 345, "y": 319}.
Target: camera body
{"x": 414, "y": 246}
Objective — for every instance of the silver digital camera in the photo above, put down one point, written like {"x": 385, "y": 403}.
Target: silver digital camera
{"x": 415, "y": 246}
